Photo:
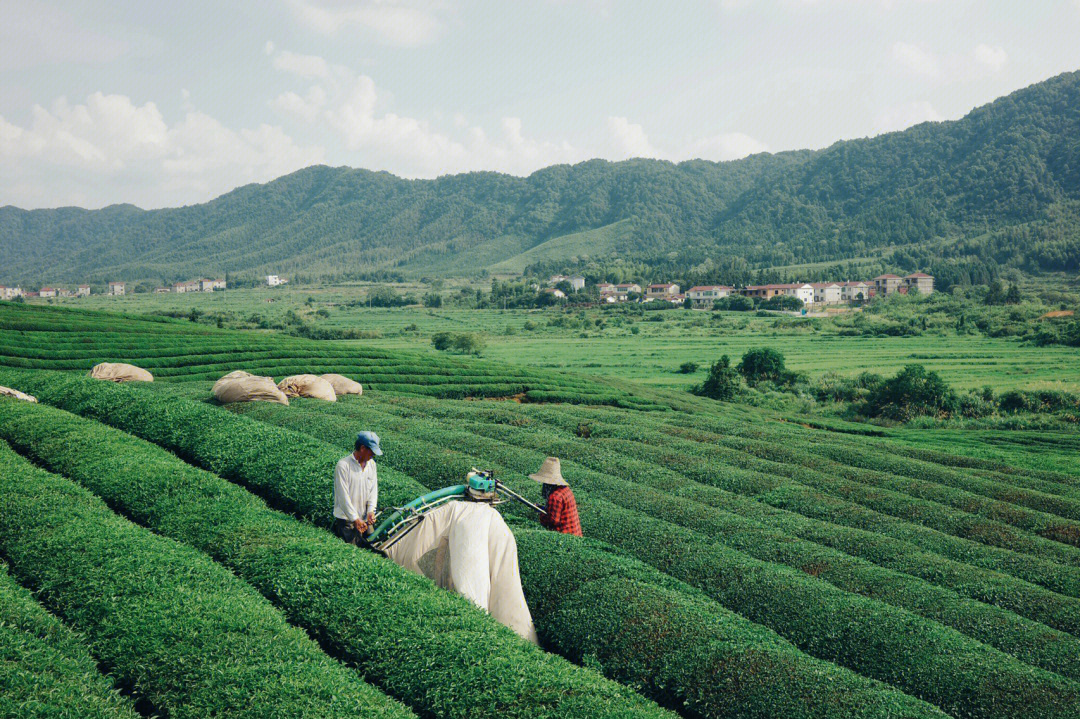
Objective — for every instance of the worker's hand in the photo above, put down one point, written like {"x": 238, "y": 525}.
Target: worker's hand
{"x": 360, "y": 525}
{"x": 371, "y": 518}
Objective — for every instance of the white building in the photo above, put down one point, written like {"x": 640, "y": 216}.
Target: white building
{"x": 116, "y": 288}
{"x": 605, "y": 288}
{"x": 703, "y": 296}
{"x": 47, "y": 292}
{"x": 274, "y": 280}
{"x": 827, "y": 293}
{"x": 557, "y": 293}
{"x": 626, "y": 289}
{"x": 577, "y": 282}
{"x": 83, "y": 291}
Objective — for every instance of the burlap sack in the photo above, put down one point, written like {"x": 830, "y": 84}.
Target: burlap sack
{"x": 343, "y": 385}
{"x": 120, "y": 372}
{"x": 308, "y": 385}
{"x": 235, "y": 374}
{"x": 8, "y": 392}
{"x": 247, "y": 388}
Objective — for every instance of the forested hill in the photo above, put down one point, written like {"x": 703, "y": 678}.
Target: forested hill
{"x": 999, "y": 187}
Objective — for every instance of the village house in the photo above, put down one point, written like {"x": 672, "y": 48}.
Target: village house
{"x": 626, "y": 289}
{"x": 662, "y": 291}
{"x": 10, "y": 293}
{"x": 30, "y": 294}
{"x": 116, "y": 289}
{"x": 64, "y": 292}
{"x": 577, "y": 282}
{"x": 557, "y": 293}
{"x": 921, "y": 281}
{"x": 855, "y": 291}
{"x": 605, "y": 288}
{"x": 703, "y": 296}
{"x": 827, "y": 293}
{"x": 274, "y": 280}
{"x": 677, "y": 299}
{"x": 161, "y": 290}
{"x": 211, "y": 285}
{"x": 47, "y": 292}
{"x": 887, "y": 284}
{"x": 83, "y": 291}
{"x": 764, "y": 292}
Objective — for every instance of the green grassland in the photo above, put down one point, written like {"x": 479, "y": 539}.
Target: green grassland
{"x": 653, "y": 355}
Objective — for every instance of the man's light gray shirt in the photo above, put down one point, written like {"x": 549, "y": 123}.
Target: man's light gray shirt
{"x": 356, "y": 489}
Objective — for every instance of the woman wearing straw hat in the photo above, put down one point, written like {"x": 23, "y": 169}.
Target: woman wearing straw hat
{"x": 562, "y": 513}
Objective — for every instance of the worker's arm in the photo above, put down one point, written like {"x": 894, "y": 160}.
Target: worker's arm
{"x": 554, "y": 512}
{"x": 341, "y": 491}
{"x": 373, "y": 495}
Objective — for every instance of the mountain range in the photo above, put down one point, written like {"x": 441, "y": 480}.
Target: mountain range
{"x": 999, "y": 187}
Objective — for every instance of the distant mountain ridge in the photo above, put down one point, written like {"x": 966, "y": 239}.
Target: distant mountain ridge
{"x": 999, "y": 186}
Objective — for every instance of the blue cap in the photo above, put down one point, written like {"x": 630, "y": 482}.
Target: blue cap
{"x": 371, "y": 441}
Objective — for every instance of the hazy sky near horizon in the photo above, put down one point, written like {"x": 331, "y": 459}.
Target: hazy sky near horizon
{"x": 165, "y": 104}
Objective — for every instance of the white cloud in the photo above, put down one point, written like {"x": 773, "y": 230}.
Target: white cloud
{"x": 994, "y": 57}
{"x": 901, "y": 117}
{"x": 306, "y": 108}
{"x": 629, "y": 139}
{"x": 86, "y": 152}
{"x": 395, "y": 22}
{"x": 916, "y": 59}
{"x": 301, "y": 65}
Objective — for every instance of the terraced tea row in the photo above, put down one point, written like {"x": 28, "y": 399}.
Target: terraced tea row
{"x": 938, "y": 664}
{"x": 428, "y": 647}
{"x": 753, "y": 672}
{"x": 179, "y": 630}
{"x": 45, "y": 668}
{"x": 178, "y": 350}
{"x": 421, "y": 449}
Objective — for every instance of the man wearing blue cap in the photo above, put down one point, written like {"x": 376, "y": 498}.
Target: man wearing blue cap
{"x": 356, "y": 489}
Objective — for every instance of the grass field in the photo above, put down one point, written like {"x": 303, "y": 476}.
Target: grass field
{"x": 653, "y": 355}
{"x": 772, "y": 566}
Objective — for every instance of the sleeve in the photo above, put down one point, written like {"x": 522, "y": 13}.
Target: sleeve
{"x": 373, "y": 495}
{"x": 341, "y": 492}
{"x": 556, "y": 510}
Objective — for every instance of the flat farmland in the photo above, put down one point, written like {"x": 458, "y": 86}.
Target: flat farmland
{"x": 572, "y": 341}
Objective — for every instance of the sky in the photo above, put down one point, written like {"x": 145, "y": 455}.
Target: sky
{"x": 167, "y": 104}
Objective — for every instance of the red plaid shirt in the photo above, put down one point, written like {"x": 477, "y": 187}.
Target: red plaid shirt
{"x": 562, "y": 513}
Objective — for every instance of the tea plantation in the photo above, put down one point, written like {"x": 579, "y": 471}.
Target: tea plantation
{"x": 168, "y": 555}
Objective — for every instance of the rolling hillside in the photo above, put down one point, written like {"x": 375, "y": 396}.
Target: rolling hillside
{"x": 1000, "y": 186}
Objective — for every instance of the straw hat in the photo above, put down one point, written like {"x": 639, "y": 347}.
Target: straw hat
{"x": 550, "y": 473}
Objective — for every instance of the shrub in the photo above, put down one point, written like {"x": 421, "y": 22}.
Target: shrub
{"x": 688, "y": 368}
{"x": 468, "y": 343}
{"x": 763, "y": 364}
{"x": 635, "y": 330}
{"x": 442, "y": 340}
{"x": 734, "y": 303}
{"x": 913, "y": 392}
{"x": 175, "y": 626}
{"x": 723, "y": 382}
{"x": 45, "y": 670}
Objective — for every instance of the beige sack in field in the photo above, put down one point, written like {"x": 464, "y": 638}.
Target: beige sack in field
{"x": 308, "y": 385}
{"x": 244, "y": 387}
{"x": 343, "y": 385}
{"x": 235, "y": 374}
{"x": 120, "y": 372}
{"x": 8, "y": 392}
